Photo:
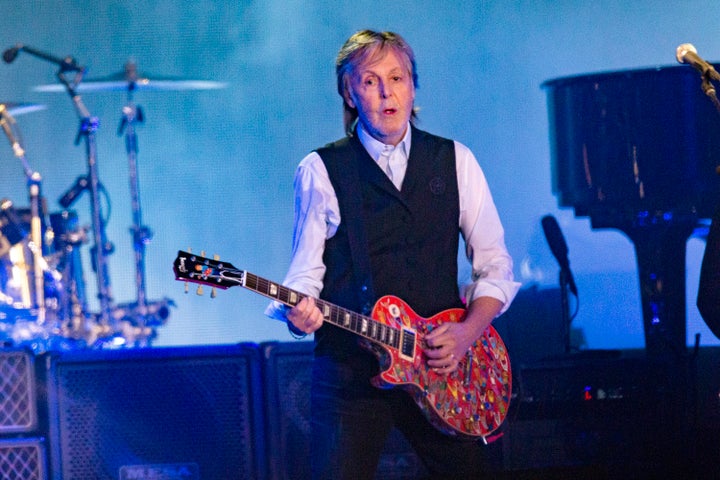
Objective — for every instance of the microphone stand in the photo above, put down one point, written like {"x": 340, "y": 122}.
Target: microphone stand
{"x": 565, "y": 307}
{"x": 141, "y": 234}
{"x": 144, "y": 315}
{"x": 709, "y": 89}
{"x": 88, "y": 129}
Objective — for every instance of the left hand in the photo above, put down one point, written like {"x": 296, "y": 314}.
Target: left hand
{"x": 446, "y": 345}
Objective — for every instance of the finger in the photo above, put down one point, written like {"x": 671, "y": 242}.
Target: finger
{"x": 450, "y": 365}
{"x": 314, "y": 319}
{"x": 444, "y": 361}
{"x": 436, "y": 332}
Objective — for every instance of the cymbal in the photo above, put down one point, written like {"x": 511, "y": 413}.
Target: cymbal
{"x": 16, "y": 109}
{"x": 131, "y": 80}
{"x": 120, "y": 82}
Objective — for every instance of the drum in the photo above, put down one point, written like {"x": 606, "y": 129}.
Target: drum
{"x": 14, "y": 280}
{"x": 12, "y": 230}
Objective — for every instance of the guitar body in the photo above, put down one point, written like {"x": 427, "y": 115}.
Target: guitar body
{"x": 471, "y": 401}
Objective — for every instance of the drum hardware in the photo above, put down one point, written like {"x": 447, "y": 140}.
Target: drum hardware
{"x": 8, "y": 124}
{"x": 87, "y": 132}
{"x": 141, "y": 313}
{"x": 155, "y": 313}
{"x": 129, "y": 80}
{"x": 133, "y": 114}
{"x": 66, "y": 322}
{"x": 12, "y": 231}
{"x": 74, "y": 192}
{"x": 72, "y": 307}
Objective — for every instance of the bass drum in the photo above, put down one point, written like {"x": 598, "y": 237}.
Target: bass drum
{"x": 14, "y": 279}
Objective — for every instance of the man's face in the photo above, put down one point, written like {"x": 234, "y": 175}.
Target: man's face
{"x": 383, "y": 93}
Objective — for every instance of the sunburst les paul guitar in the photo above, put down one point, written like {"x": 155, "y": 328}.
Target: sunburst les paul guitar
{"x": 472, "y": 401}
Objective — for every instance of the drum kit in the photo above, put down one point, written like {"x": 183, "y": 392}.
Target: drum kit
{"x": 43, "y": 304}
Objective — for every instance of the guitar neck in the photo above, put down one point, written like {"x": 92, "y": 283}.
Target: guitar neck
{"x": 346, "y": 319}
{"x": 197, "y": 269}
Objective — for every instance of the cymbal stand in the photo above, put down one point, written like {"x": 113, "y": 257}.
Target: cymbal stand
{"x": 142, "y": 235}
{"x": 33, "y": 182}
{"x": 101, "y": 247}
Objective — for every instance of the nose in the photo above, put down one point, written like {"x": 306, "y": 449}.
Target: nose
{"x": 385, "y": 90}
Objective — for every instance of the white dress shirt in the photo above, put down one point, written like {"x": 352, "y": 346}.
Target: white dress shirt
{"x": 317, "y": 217}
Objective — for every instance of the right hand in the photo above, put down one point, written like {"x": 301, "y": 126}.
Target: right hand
{"x": 306, "y": 316}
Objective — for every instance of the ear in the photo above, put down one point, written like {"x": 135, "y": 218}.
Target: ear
{"x": 347, "y": 94}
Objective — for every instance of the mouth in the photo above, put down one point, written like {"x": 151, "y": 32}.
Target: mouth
{"x": 389, "y": 111}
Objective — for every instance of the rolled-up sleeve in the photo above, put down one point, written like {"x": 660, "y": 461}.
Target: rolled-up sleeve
{"x": 492, "y": 266}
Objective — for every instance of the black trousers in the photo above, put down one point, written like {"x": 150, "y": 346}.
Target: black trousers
{"x": 351, "y": 420}
{"x": 708, "y": 301}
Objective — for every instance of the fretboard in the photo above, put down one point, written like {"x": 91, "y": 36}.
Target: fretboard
{"x": 338, "y": 316}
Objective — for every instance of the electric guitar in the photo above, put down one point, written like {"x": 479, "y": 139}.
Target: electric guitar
{"x": 472, "y": 401}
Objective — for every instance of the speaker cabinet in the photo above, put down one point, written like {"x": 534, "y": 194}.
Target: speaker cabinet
{"x": 190, "y": 413}
{"x": 612, "y": 411}
{"x": 287, "y": 374}
{"x": 23, "y": 458}
{"x": 18, "y": 401}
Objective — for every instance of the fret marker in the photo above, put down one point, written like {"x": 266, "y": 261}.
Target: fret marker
{"x": 326, "y": 311}
{"x": 293, "y": 298}
{"x": 347, "y": 319}
{"x": 273, "y": 290}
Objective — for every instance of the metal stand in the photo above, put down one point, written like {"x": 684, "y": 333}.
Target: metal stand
{"x": 565, "y": 305}
{"x": 36, "y": 242}
{"x": 141, "y": 234}
{"x": 101, "y": 247}
{"x": 142, "y": 314}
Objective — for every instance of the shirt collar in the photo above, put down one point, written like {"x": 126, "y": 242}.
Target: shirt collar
{"x": 375, "y": 147}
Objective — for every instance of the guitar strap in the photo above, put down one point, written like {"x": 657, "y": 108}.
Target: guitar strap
{"x": 344, "y": 174}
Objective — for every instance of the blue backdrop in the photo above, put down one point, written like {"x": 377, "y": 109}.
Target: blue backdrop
{"x": 216, "y": 166}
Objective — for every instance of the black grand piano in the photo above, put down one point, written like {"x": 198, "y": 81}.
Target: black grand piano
{"x": 637, "y": 151}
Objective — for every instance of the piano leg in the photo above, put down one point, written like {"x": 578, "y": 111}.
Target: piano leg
{"x": 661, "y": 253}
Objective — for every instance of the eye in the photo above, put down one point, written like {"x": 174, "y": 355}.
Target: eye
{"x": 370, "y": 81}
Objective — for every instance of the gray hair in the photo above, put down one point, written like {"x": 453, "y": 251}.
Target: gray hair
{"x": 360, "y": 47}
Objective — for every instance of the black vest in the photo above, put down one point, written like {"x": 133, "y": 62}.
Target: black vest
{"x": 411, "y": 236}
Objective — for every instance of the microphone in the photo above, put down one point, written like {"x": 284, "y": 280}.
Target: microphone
{"x": 74, "y": 192}
{"x": 687, "y": 53}
{"x": 67, "y": 64}
{"x": 558, "y": 247}
{"x": 11, "y": 54}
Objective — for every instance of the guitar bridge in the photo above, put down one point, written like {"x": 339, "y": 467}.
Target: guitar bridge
{"x": 467, "y": 370}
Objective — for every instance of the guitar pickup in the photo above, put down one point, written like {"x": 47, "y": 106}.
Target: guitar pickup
{"x": 407, "y": 343}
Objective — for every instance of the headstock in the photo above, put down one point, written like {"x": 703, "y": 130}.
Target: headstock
{"x": 198, "y": 269}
